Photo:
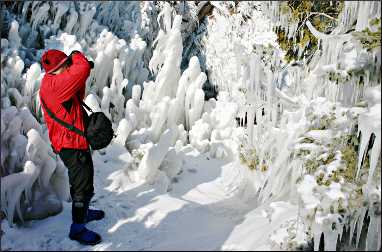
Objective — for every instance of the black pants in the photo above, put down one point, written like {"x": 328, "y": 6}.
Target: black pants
{"x": 81, "y": 174}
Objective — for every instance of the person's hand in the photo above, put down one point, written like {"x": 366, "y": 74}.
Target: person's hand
{"x": 73, "y": 52}
{"x": 91, "y": 63}
{"x": 70, "y": 56}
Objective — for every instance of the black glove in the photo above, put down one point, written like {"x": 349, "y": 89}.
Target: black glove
{"x": 75, "y": 51}
{"x": 91, "y": 63}
{"x": 70, "y": 56}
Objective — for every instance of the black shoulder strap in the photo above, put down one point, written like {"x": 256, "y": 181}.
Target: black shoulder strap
{"x": 63, "y": 123}
{"x": 86, "y": 106}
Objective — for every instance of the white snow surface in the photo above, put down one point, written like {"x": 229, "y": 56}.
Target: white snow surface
{"x": 206, "y": 210}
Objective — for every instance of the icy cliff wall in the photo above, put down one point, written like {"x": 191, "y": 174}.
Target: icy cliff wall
{"x": 305, "y": 79}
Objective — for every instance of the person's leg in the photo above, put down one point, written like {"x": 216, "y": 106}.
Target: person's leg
{"x": 92, "y": 214}
{"x": 84, "y": 179}
{"x": 80, "y": 170}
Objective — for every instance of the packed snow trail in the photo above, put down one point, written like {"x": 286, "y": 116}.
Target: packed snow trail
{"x": 197, "y": 214}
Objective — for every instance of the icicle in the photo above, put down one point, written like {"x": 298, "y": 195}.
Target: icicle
{"x": 316, "y": 236}
{"x": 13, "y": 37}
{"x": 136, "y": 94}
{"x": 72, "y": 20}
{"x": 360, "y": 222}
{"x": 373, "y": 239}
{"x": 250, "y": 120}
{"x": 353, "y": 222}
{"x": 32, "y": 75}
{"x": 375, "y": 153}
{"x": 330, "y": 240}
{"x": 341, "y": 231}
{"x": 106, "y": 99}
{"x": 85, "y": 19}
{"x": 40, "y": 16}
{"x": 117, "y": 77}
{"x": 62, "y": 8}
{"x": 366, "y": 134}
{"x": 363, "y": 15}
{"x": 369, "y": 123}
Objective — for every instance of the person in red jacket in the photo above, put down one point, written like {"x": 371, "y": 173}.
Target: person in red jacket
{"x": 62, "y": 88}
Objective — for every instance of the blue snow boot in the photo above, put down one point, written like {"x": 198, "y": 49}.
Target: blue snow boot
{"x": 80, "y": 233}
{"x": 94, "y": 214}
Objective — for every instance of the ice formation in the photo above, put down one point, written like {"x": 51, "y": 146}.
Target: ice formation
{"x": 29, "y": 169}
{"x": 84, "y": 27}
{"x": 284, "y": 111}
{"x": 75, "y": 26}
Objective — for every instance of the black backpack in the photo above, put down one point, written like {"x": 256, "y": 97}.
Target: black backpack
{"x": 98, "y": 128}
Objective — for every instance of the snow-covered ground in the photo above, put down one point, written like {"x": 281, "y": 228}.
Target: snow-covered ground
{"x": 199, "y": 213}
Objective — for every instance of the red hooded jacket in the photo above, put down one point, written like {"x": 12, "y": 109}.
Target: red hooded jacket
{"x": 59, "y": 88}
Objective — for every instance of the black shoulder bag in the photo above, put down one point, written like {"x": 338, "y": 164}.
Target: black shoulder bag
{"x": 98, "y": 128}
